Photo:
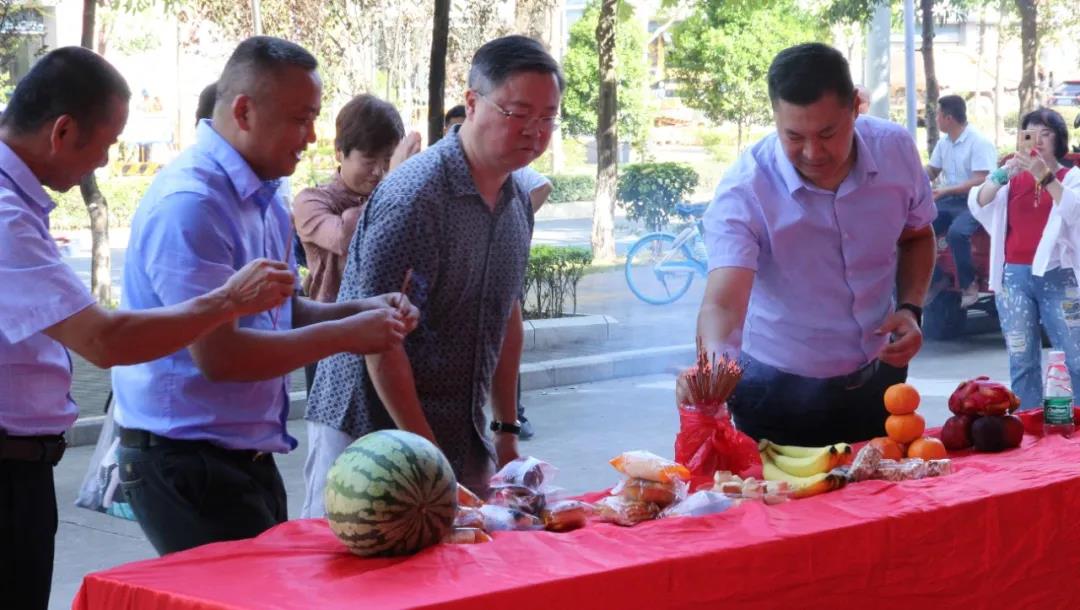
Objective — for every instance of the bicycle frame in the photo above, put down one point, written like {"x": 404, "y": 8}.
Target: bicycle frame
{"x": 687, "y": 235}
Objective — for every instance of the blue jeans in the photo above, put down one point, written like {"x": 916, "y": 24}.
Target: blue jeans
{"x": 955, "y": 221}
{"x": 1024, "y": 301}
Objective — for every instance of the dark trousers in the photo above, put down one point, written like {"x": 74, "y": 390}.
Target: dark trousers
{"x": 188, "y": 493}
{"x": 794, "y": 410}
{"x": 954, "y": 220}
{"x": 27, "y": 532}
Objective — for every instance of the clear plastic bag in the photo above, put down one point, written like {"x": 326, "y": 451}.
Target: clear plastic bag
{"x": 468, "y": 498}
{"x": 468, "y": 516}
{"x": 528, "y": 472}
{"x": 700, "y": 503}
{"x": 505, "y": 519}
{"x": 646, "y": 465}
{"x": 566, "y": 515}
{"x": 644, "y": 490}
{"x": 619, "y": 510}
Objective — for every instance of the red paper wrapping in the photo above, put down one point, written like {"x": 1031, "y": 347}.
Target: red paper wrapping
{"x": 708, "y": 441}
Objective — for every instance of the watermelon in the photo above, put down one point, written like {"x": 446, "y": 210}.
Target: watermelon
{"x": 390, "y": 493}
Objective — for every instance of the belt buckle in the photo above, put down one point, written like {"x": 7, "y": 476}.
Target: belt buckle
{"x": 258, "y": 455}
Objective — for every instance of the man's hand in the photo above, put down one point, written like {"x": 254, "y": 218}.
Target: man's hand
{"x": 506, "y": 449}
{"x": 907, "y": 338}
{"x": 260, "y": 285}
{"x": 408, "y": 312}
{"x": 407, "y": 147}
{"x": 374, "y": 331}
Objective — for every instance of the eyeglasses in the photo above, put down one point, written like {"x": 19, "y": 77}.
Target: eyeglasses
{"x": 546, "y": 123}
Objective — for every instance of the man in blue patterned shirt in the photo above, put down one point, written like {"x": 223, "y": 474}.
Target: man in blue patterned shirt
{"x": 454, "y": 216}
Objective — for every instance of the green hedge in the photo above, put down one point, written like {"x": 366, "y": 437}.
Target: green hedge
{"x": 650, "y": 191}
{"x": 572, "y": 187}
{"x": 552, "y": 275}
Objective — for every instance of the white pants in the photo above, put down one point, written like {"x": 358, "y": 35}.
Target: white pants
{"x": 325, "y": 444}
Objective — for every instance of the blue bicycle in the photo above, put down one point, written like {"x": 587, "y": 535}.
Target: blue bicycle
{"x": 661, "y": 266}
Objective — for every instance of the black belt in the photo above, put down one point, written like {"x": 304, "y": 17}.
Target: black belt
{"x": 48, "y": 449}
{"x": 857, "y": 379}
{"x": 141, "y": 439}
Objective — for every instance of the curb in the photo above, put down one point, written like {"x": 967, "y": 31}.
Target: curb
{"x": 534, "y": 376}
{"x": 557, "y": 332}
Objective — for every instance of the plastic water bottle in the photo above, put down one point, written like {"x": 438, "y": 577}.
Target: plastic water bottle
{"x": 1058, "y": 397}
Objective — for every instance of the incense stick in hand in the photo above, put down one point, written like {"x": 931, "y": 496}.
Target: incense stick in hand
{"x": 404, "y": 289}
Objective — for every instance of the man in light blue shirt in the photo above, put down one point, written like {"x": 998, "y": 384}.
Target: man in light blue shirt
{"x": 198, "y": 426}
{"x": 811, "y": 234}
{"x": 63, "y": 117}
{"x": 962, "y": 159}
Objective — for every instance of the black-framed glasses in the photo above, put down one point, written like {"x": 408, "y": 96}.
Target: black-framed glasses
{"x": 547, "y": 123}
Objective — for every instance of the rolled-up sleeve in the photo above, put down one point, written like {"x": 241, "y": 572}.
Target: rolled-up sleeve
{"x": 1070, "y": 197}
{"x": 318, "y": 223}
{"x": 186, "y": 248}
{"x": 985, "y": 213}
{"x": 39, "y": 289}
{"x": 731, "y": 237}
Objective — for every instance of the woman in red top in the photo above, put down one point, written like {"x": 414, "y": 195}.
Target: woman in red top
{"x": 1027, "y": 206}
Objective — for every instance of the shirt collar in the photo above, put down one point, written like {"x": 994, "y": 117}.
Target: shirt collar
{"x": 864, "y": 166}
{"x": 461, "y": 183}
{"x": 960, "y": 138}
{"x": 244, "y": 180}
{"x": 19, "y": 173}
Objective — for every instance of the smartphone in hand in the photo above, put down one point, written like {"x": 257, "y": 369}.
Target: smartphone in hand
{"x": 1026, "y": 142}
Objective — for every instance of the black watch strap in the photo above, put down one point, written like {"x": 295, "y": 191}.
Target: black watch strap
{"x": 915, "y": 309}
{"x": 498, "y": 426}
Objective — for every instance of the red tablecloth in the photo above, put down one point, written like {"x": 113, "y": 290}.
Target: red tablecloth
{"x": 1003, "y": 531}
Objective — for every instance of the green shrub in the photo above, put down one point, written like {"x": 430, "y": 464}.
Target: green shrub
{"x": 552, "y": 275}
{"x": 650, "y": 191}
{"x": 572, "y": 187}
{"x": 123, "y": 194}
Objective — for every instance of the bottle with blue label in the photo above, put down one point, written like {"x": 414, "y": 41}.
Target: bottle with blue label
{"x": 1058, "y": 397}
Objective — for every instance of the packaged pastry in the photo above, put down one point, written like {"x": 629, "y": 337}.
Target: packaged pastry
{"x": 645, "y": 465}
{"x": 467, "y": 516}
{"x": 705, "y": 502}
{"x": 466, "y": 535}
{"x": 527, "y": 472}
{"x": 938, "y": 468}
{"x": 566, "y": 515}
{"x": 520, "y": 498}
{"x": 866, "y": 463}
{"x": 904, "y": 470}
{"x": 619, "y": 510}
{"x": 644, "y": 490}
{"x": 502, "y": 519}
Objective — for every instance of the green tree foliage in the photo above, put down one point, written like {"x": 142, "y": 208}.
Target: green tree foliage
{"x": 650, "y": 191}
{"x": 583, "y": 77}
{"x": 720, "y": 55}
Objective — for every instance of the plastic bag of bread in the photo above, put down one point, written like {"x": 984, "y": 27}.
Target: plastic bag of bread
{"x": 705, "y": 502}
{"x": 646, "y": 465}
{"x": 619, "y": 510}
{"x": 938, "y": 468}
{"x": 904, "y": 470}
{"x": 865, "y": 465}
{"x": 467, "y": 516}
{"x": 466, "y": 535}
{"x": 566, "y": 515}
{"x": 527, "y": 472}
{"x": 644, "y": 490}
{"x": 520, "y": 498}
{"x": 505, "y": 519}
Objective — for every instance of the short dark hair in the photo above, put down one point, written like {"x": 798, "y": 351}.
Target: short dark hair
{"x": 1054, "y": 122}
{"x": 504, "y": 57}
{"x": 457, "y": 112}
{"x": 69, "y": 81}
{"x": 255, "y": 61}
{"x": 954, "y": 106}
{"x": 207, "y": 99}
{"x": 804, "y": 73}
{"x": 369, "y": 125}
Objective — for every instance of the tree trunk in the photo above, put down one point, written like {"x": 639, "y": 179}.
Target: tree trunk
{"x": 1029, "y": 51}
{"x": 932, "y": 91}
{"x": 607, "y": 140}
{"x": 96, "y": 205}
{"x": 440, "y": 34}
{"x": 557, "y": 13}
{"x": 738, "y": 137}
{"x": 999, "y": 88}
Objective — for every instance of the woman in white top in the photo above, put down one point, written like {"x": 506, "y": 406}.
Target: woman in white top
{"x": 1031, "y": 208}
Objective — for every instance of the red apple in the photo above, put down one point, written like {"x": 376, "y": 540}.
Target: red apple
{"x": 1014, "y": 431}
{"x": 988, "y": 433}
{"x": 956, "y": 433}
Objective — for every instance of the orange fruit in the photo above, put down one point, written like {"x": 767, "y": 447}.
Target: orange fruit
{"x": 889, "y": 448}
{"x": 905, "y": 428}
{"x": 901, "y": 399}
{"x": 927, "y": 448}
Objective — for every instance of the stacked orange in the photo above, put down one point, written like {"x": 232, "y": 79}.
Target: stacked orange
{"x": 904, "y": 427}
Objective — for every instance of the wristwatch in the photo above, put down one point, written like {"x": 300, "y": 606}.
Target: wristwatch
{"x": 915, "y": 309}
{"x": 1047, "y": 178}
{"x": 498, "y": 426}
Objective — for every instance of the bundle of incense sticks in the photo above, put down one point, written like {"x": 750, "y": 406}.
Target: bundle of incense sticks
{"x": 712, "y": 380}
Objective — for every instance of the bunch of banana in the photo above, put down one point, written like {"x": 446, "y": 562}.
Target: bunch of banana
{"x": 808, "y": 470}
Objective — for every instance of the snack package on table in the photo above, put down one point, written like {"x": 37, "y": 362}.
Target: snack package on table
{"x": 466, "y": 535}
{"x": 467, "y": 498}
{"x": 524, "y": 484}
{"x": 468, "y": 516}
{"x": 649, "y": 466}
{"x": 505, "y": 519}
{"x": 697, "y": 504}
{"x": 566, "y": 515}
{"x": 619, "y": 510}
{"x": 644, "y": 490}
{"x": 736, "y": 487}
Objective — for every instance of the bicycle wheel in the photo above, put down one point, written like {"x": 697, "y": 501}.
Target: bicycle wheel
{"x": 656, "y": 272}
